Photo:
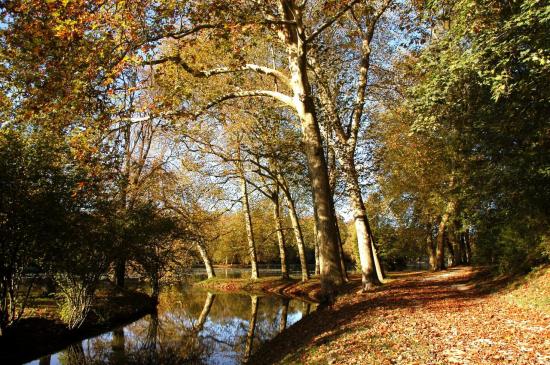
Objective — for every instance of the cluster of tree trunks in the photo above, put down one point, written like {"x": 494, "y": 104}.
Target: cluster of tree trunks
{"x": 453, "y": 238}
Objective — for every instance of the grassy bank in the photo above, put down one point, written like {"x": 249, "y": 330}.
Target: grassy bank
{"x": 274, "y": 285}
{"x": 41, "y": 331}
{"x": 459, "y": 316}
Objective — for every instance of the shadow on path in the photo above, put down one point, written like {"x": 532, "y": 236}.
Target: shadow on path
{"x": 407, "y": 290}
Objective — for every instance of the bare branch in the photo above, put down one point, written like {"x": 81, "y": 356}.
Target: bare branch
{"x": 331, "y": 21}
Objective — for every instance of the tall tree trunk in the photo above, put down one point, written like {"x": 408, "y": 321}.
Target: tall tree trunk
{"x": 440, "y": 247}
{"x": 457, "y": 242}
{"x": 206, "y": 259}
{"x": 251, "y": 327}
{"x": 457, "y": 250}
{"x": 298, "y": 235}
{"x": 464, "y": 254}
{"x": 369, "y": 277}
{"x": 431, "y": 248}
{"x": 249, "y": 229}
{"x": 333, "y": 179}
{"x": 331, "y": 276}
{"x": 341, "y": 252}
{"x": 468, "y": 244}
{"x": 45, "y": 360}
{"x": 120, "y": 262}
{"x": 450, "y": 247}
{"x": 293, "y": 35}
{"x": 205, "y": 312}
{"x": 280, "y": 234}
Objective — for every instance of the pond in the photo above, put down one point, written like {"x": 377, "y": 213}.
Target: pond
{"x": 191, "y": 326}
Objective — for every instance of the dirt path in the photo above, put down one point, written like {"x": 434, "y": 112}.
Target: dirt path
{"x": 453, "y": 317}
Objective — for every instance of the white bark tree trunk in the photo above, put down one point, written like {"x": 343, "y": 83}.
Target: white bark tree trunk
{"x": 280, "y": 235}
{"x": 206, "y": 260}
{"x": 299, "y": 237}
{"x": 249, "y": 229}
{"x": 369, "y": 275}
{"x": 331, "y": 277}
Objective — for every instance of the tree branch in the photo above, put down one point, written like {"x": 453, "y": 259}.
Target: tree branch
{"x": 331, "y": 21}
{"x": 285, "y": 99}
{"x": 364, "y": 67}
{"x": 221, "y": 70}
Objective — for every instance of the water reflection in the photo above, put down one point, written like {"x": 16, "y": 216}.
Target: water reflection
{"x": 191, "y": 327}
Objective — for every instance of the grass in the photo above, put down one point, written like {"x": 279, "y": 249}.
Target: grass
{"x": 275, "y": 285}
{"x": 532, "y": 291}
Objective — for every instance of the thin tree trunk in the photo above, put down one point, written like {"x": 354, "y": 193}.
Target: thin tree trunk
{"x": 468, "y": 243}
{"x": 120, "y": 262}
{"x": 431, "y": 248}
{"x": 249, "y": 229}
{"x": 457, "y": 242}
{"x": 440, "y": 245}
{"x": 341, "y": 249}
{"x": 206, "y": 259}
{"x": 280, "y": 234}
{"x": 333, "y": 179}
{"x": 298, "y": 235}
{"x": 251, "y": 327}
{"x": 450, "y": 247}
{"x": 464, "y": 254}
{"x": 457, "y": 250}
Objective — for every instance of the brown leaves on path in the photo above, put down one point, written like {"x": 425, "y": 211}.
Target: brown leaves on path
{"x": 452, "y": 317}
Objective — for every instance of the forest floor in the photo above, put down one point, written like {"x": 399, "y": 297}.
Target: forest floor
{"x": 459, "y": 316}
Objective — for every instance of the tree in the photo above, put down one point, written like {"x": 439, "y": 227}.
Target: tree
{"x": 364, "y": 21}
{"x": 288, "y": 20}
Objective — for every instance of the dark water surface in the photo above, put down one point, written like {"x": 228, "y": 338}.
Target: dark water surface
{"x": 192, "y": 326}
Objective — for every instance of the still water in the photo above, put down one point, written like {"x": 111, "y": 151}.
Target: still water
{"x": 192, "y": 326}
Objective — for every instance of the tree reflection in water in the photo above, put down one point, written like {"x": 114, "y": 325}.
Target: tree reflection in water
{"x": 190, "y": 327}
{"x": 251, "y": 327}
